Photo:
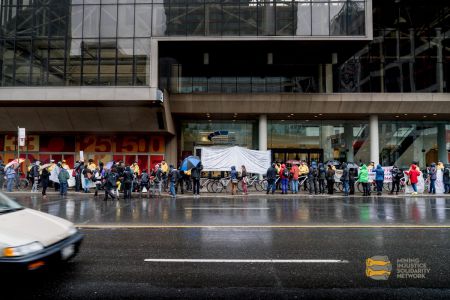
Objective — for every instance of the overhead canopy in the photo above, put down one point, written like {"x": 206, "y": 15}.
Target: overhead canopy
{"x": 222, "y": 159}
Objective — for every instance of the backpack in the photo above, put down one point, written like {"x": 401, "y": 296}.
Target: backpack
{"x": 112, "y": 179}
{"x": 144, "y": 178}
{"x": 286, "y": 172}
{"x": 315, "y": 172}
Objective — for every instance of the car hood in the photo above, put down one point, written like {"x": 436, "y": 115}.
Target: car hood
{"x": 28, "y": 225}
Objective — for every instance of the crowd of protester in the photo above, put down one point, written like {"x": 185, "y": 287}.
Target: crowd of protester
{"x": 118, "y": 178}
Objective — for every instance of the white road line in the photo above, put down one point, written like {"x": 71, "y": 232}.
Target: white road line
{"x": 226, "y": 208}
{"x": 260, "y": 261}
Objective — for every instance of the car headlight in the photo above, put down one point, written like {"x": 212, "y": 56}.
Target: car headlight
{"x": 22, "y": 250}
{"x": 72, "y": 230}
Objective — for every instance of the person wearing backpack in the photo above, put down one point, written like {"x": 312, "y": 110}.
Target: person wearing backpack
{"x": 313, "y": 176}
{"x": 45, "y": 179}
{"x": 145, "y": 183}
{"x": 345, "y": 178}
{"x": 173, "y": 176}
{"x": 322, "y": 178}
{"x": 111, "y": 178}
{"x": 284, "y": 175}
{"x": 330, "y": 179}
{"x": 157, "y": 180}
{"x": 34, "y": 174}
{"x": 127, "y": 180}
{"x": 432, "y": 175}
{"x": 352, "y": 177}
{"x": 63, "y": 178}
{"x": 397, "y": 175}
{"x": 447, "y": 178}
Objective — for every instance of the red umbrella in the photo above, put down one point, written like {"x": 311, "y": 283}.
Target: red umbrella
{"x": 15, "y": 163}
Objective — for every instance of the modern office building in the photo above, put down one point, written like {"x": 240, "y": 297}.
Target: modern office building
{"x": 355, "y": 80}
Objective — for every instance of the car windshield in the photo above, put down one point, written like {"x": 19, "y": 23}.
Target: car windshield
{"x": 8, "y": 205}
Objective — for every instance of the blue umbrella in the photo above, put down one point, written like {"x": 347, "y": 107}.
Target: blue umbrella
{"x": 189, "y": 163}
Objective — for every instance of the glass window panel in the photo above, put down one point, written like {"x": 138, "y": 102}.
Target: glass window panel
{"x": 230, "y": 25}
{"x": 356, "y": 16}
{"x": 303, "y": 19}
{"x": 338, "y": 18}
{"x": 90, "y": 57}
{"x": 7, "y": 60}
{"x": 91, "y": 21}
{"x": 214, "y": 14}
{"x": 22, "y": 62}
{"x": 74, "y": 63}
{"x": 248, "y": 19}
{"x": 126, "y": 21}
{"x": 108, "y": 26}
{"x": 56, "y": 62}
{"x": 76, "y": 21}
{"x": 320, "y": 19}
{"x": 284, "y": 19}
{"x": 107, "y": 62}
{"x": 143, "y": 20}
{"x": 125, "y": 62}
{"x": 160, "y": 19}
{"x": 142, "y": 57}
{"x": 195, "y": 20}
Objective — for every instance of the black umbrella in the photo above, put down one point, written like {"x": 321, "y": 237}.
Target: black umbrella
{"x": 333, "y": 163}
{"x": 352, "y": 165}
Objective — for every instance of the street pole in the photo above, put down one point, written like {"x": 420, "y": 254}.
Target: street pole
{"x": 18, "y": 147}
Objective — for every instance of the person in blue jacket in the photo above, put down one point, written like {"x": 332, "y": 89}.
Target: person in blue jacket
{"x": 379, "y": 179}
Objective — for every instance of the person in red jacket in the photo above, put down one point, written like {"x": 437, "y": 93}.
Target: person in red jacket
{"x": 284, "y": 176}
{"x": 413, "y": 174}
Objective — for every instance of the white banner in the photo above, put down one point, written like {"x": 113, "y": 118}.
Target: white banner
{"x": 54, "y": 176}
{"x": 387, "y": 174}
{"x": 222, "y": 159}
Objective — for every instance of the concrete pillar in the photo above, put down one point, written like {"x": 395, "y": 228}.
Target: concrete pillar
{"x": 326, "y": 132}
{"x": 262, "y": 133}
{"x": 153, "y": 63}
{"x": 374, "y": 139}
{"x": 439, "y": 62}
{"x": 175, "y": 80}
{"x": 348, "y": 136}
{"x": 171, "y": 150}
{"x": 269, "y": 18}
{"x": 442, "y": 143}
{"x": 329, "y": 78}
{"x": 321, "y": 89}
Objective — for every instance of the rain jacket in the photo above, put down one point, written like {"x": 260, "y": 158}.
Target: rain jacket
{"x": 447, "y": 175}
{"x": 282, "y": 176}
{"x": 345, "y": 173}
{"x": 233, "y": 173}
{"x": 272, "y": 173}
{"x": 295, "y": 171}
{"x": 363, "y": 175}
{"x": 135, "y": 168}
{"x": 413, "y": 174}
{"x": 304, "y": 170}
{"x": 322, "y": 171}
{"x": 196, "y": 172}
{"x": 313, "y": 171}
{"x": 432, "y": 172}
{"x": 379, "y": 173}
{"x": 63, "y": 176}
{"x": 10, "y": 173}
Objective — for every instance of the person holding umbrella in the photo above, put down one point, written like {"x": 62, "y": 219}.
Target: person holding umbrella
{"x": 194, "y": 164}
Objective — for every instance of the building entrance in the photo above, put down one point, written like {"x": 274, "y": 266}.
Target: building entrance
{"x": 283, "y": 155}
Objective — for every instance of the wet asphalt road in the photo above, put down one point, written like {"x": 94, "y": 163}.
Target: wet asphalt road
{"x": 112, "y": 263}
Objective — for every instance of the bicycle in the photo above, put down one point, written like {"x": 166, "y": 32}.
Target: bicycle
{"x": 221, "y": 184}
{"x": 252, "y": 182}
{"x": 206, "y": 183}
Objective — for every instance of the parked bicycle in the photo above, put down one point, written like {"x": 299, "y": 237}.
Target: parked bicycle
{"x": 252, "y": 182}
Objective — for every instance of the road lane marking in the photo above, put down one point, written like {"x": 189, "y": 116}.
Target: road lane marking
{"x": 226, "y": 208}
{"x": 134, "y": 226}
{"x": 244, "y": 261}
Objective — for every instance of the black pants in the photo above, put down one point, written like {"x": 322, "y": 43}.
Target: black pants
{"x": 395, "y": 184}
{"x": 180, "y": 183}
{"x": 312, "y": 182}
{"x": 196, "y": 186}
{"x": 56, "y": 184}
{"x": 322, "y": 186}
{"x": 44, "y": 184}
{"x": 351, "y": 183}
{"x": 109, "y": 191}
{"x": 366, "y": 188}
{"x": 77, "y": 182}
{"x": 127, "y": 190}
{"x": 330, "y": 185}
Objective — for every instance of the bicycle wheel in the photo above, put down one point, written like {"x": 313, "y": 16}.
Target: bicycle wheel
{"x": 259, "y": 186}
{"x": 339, "y": 186}
{"x": 360, "y": 187}
{"x": 23, "y": 184}
{"x": 214, "y": 186}
{"x": 387, "y": 186}
{"x": 264, "y": 184}
{"x": 239, "y": 187}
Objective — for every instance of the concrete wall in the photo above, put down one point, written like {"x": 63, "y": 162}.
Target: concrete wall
{"x": 368, "y": 103}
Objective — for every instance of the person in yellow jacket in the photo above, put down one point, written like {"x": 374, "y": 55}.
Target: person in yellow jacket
{"x": 135, "y": 168}
{"x": 165, "y": 174}
{"x": 91, "y": 165}
{"x": 52, "y": 165}
{"x": 65, "y": 165}
{"x": 303, "y": 169}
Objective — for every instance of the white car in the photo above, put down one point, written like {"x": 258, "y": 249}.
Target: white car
{"x": 31, "y": 239}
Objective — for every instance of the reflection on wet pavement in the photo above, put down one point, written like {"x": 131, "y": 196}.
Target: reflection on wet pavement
{"x": 82, "y": 209}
